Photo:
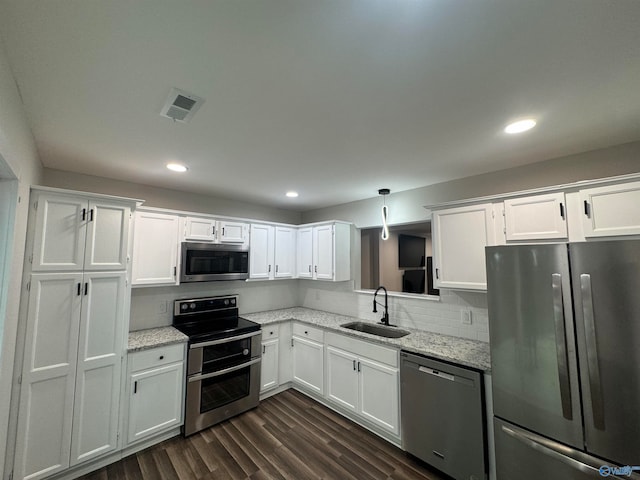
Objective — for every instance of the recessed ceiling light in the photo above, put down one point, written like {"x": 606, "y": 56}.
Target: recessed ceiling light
{"x": 292, "y": 194}
{"x": 176, "y": 167}
{"x": 520, "y": 126}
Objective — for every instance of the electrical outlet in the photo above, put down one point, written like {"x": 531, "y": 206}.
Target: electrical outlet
{"x": 162, "y": 306}
{"x": 465, "y": 316}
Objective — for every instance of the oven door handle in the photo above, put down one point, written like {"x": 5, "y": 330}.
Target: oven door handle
{"x": 225, "y": 340}
{"x": 197, "y": 378}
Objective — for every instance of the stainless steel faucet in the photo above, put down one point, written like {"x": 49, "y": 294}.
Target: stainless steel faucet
{"x": 385, "y": 317}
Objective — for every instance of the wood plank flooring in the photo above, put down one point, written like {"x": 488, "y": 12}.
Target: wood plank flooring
{"x": 289, "y": 436}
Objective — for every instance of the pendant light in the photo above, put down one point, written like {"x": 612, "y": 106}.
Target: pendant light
{"x": 385, "y": 213}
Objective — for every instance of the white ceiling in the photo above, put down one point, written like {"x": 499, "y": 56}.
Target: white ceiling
{"x": 333, "y": 98}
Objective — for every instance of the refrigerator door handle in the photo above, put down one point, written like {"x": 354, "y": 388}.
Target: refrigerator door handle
{"x": 595, "y": 386}
{"x": 555, "y": 450}
{"x": 561, "y": 347}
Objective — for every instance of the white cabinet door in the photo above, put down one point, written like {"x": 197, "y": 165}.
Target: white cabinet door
{"x": 61, "y": 227}
{"x": 98, "y": 373}
{"x": 155, "y": 249}
{"x": 200, "y": 229}
{"x": 537, "y": 217}
{"x": 232, "y": 232}
{"x": 269, "y": 366}
{"x": 107, "y": 236}
{"x": 611, "y": 210}
{"x": 304, "y": 265}
{"x": 155, "y": 401}
{"x": 323, "y": 252}
{"x": 285, "y": 252}
{"x": 342, "y": 378}
{"x": 285, "y": 353}
{"x": 308, "y": 362}
{"x": 459, "y": 238}
{"x": 261, "y": 252}
{"x": 379, "y": 393}
{"x": 48, "y": 377}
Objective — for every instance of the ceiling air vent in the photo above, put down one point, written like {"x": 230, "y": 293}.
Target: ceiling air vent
{"x": 181, "y": 106}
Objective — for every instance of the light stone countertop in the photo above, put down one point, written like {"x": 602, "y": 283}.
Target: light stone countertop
{"x": 154, "y": 337}
{"x": 468, "y": 353}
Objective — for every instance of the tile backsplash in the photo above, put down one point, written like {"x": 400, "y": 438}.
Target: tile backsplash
{"x": 153, "y": 306}
{"x": 443, "y": 315}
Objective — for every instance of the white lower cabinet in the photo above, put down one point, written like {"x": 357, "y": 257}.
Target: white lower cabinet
{"x": 69, "y": 402}
{"x": 308, "y": 358}
{"x": 156, "y": 391}
{"x": 369, "y": 388}
{"x": 270, "y": 359}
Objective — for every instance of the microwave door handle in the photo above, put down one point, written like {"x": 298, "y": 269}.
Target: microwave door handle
{"x": 197, "y": 378}
{"x": 595, "y": 386}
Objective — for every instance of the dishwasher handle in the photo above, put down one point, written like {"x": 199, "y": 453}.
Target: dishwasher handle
{"x": 437, "y": 373}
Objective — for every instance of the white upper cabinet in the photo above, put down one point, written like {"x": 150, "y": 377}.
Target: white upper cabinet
{"x": 324, "y": 252}
{"x": 74, "y": 233}
{"x": 285, "y": 252}
{"x": 200, "y": 229}
{"x": 207, "y": 229}
{"x": 261, "y": 254}
{"x": 612, "y": 210}
{"x": 460, "y": 236}
{"x": 155, "y": 249}
{"x": 232, "y": 232}
{"x": 536, "y": 217}
{"x": 304, "y": 265}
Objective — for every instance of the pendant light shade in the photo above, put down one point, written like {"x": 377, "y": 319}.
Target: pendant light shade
{"x": 385, "y": 213}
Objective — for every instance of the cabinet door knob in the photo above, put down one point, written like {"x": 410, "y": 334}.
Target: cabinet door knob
{"x": 161, "y": 357}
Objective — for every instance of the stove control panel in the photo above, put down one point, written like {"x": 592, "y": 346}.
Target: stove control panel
{"x": 206, "y": 304}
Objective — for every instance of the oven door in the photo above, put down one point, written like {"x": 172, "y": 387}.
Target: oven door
{"x": 202, "y": 262}
{"x": 216, "y": 396}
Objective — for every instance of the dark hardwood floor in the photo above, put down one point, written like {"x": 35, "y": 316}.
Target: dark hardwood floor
{"x": 289, "y": 436}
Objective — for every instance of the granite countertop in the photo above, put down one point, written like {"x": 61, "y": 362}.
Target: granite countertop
{"x": 469, "y": 353}
{"x": 154, "y": 337}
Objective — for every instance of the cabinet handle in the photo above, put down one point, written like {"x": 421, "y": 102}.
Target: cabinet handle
{"x": 316, "y": 268}
{"x": 161, "y": 357}
{"x": 223, "y": 231}
{"x": 276, "y": 268}
{"x": 175, "y": 271}
{"x": 586, "y": 208}
{"x": 292, "y": 342}
{"x": 135, "y": 387}
{"x": 264, "y": 349}
{"x": 437, "y": 273}
{"x": 354, "y": 365}
{"x": 84, "y": 214}
{"x": 79, "y": 289}
{"x": 91, "y": 215}
{"x": 269, "y": 269}
{"x": 309, "y": 268}
{"x": 86, "y": 287}
{"x": 358, "y": 366}
{"x": 562, "y": 210}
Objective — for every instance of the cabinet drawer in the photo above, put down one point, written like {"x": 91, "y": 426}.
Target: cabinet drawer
{"x": 270, "y": 331}
{"x": 155, "y": 357}
{"x": 307, "y": 331}
{"x": 361, "y": 348}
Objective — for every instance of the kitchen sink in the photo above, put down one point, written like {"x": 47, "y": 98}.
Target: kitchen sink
{"x": 380, "y": 330}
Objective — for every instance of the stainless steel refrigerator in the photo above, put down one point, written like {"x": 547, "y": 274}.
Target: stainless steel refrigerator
{"x": 564, "y": 325}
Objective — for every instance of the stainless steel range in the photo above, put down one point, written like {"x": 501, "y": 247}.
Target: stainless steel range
{"x": 223, "y": 365}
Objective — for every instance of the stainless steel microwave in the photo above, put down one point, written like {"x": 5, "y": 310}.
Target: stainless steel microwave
{"x": 207, "y": 262}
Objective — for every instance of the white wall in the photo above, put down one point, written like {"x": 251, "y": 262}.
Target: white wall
{"x": 166, "y": 198}
{"x": 19, "y": 163}
{"x": 408, "y": 206}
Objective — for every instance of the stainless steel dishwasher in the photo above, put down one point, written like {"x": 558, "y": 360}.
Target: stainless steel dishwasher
{"x": 443, "y": 416}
